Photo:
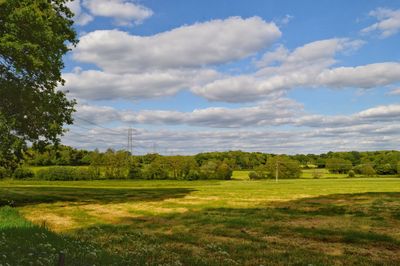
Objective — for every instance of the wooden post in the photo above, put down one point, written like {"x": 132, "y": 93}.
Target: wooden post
{"x": 61, "y": 259}
{"x": 276, "y": 171}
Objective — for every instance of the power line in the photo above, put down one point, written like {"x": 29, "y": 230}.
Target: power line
{"x": 95, "y": 124}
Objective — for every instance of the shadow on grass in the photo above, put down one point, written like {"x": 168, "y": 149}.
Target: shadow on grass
{"x": 22, "y": 243}
{"x": 274, "y": 234}
{"x": 20, "y": 196}
{"x": 369, "y": 204}
{"x": 339, "y": 229}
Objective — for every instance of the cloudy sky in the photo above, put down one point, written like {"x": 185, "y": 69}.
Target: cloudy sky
{"x": 273, "y": 76}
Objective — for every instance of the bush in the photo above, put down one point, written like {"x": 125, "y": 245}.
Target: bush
{"x": 135, "y": 172}
{"x": 23, "y": 173}
{"x": 316, "y": 174}
{"x": 364, "y": 169}
{"x": 386, "y": 169}
{"x": 223, "y": 172}
{"x": 254, "y": 175}
{"x": 4, "y": 173}
{"x": 352, "y": 173}
{"x": 62, "y": 173}
{"x": 192, "y": 175}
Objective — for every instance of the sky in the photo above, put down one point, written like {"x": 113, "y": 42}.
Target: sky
{"x": 273, "y": 76}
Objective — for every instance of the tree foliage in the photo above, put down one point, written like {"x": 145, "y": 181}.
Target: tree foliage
{"x": 338, "y": 165}
{"x": 34, "y": 36}
{"x": 287, "y": 168}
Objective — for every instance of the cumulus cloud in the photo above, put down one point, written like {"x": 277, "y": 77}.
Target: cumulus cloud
{"x": 292, "y": 131}
{"x": 124, "y": 12}
{"x": 100, "y": 85}
{"x": 388, "y": 22}
{"x": 311, "y": 65}
{"x": 365, "y": 137}
{"x": 269, "y": 113}
{"x": 385, "y": 112}
{"x": 81, "y": 18}
{"x": 275, "y": 112}
{"x": 197, "y": 45}
{"x": 367, "y": 76}
{"x": 374, "y": 115}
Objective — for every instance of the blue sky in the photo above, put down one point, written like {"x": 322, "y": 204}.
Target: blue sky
{"x": 271, "y": 76}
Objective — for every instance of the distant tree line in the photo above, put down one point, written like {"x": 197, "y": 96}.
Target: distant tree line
{"x": 211, "y": 165}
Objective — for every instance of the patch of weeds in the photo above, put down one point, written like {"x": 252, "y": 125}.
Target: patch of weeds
{"x": 355, "y": 237}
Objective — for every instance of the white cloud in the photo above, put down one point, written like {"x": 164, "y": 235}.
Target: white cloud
{"x": 275, "y": 112}
{"x": 380, "y": 113}
{"x": 269, "y": 113}
{"x": 395, "y": 91}
{"x": 371, "y": 129}
{"x": 80, "y": 18}
{"x": 124, "y": 12}
{"x": 308, "y": 66}
{"x": 367, "y": 76}
{"x": 281, "y": 70}
{"x": 286, "y": 19}
{"x": 365, "y": 137}
{"x": 200, "y": 44}
{"x": 100, "y": 85}
{"x": 388, "y": 22}
{"x": 374, "y": 115}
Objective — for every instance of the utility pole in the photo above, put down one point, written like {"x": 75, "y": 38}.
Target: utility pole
{"x": 130, "y": 140}
{"x": 276, "y": 171}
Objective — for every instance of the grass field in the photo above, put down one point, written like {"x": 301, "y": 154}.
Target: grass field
{"x": 305, "y": 173}
{"x": 298, "y": 222}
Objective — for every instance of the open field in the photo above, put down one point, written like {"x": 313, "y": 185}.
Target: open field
{"x": 319, "y": 222}
{"x": 305, "y": 173}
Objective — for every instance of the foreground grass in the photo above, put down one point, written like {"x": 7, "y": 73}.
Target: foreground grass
{"x": 23, "y": 243}
{"x": 319, "y": 222}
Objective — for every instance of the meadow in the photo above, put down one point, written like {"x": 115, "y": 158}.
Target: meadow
{"x": 352, "y": 221}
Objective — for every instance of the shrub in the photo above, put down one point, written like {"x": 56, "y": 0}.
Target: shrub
{"x": 192, "y": 175}
{"x": 352, "y": 173}
{"x": 259, "y": 172}
{"x": 135, "y": 171}
{"x": 254, "y": 175}
{"x": 386, "y": 169}
{"x": 62, "y": 173}
{"x": 223, "y": 172}
{"x": 364, "y": 169}
{"x": 23, "y": 173}
{"x": 398, "y": 168}
{"x": 4, "y": 173}
{"x": 316, "y": 174}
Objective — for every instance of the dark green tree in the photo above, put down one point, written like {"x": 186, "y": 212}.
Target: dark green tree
{"x": 338, "y": 165}
{"x": 286, "y": 167}
{"x": 34, "y": 36}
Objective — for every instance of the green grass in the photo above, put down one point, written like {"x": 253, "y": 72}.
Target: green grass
{"x": 241, "y": 175}
{"x": 321, "y": 173}
{"x": 305, "y": 174}
{"x": 35, "y": 169}
{"x": 292, "y": 222}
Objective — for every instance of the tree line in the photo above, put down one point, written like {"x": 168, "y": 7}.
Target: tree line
{"x": 211, "y": 165}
